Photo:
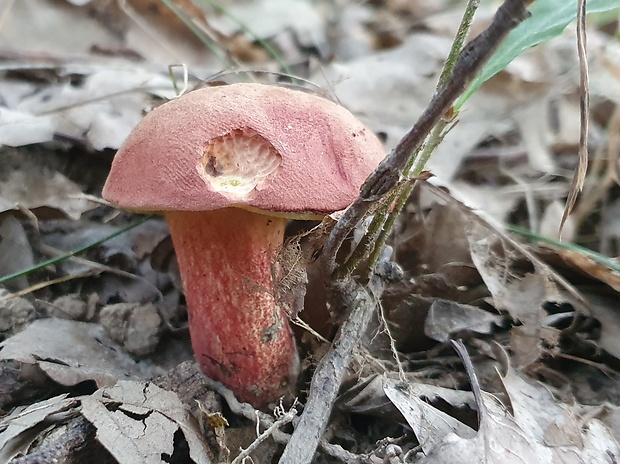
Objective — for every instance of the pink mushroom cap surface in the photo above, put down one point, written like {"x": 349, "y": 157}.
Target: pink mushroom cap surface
{"x": 316, "y": 153}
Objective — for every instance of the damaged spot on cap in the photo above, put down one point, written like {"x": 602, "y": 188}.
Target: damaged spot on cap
{"x": 238, "y": 162}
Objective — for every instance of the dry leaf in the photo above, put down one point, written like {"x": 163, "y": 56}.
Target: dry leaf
{"x": 541, "y": 431}
{"x": 137, "y": 423}
{"x": 15, "y": 313}
{"x": 447, "y": 318}
{"x": 268, "y": 18}
{"x": 20, "y": 428}
{"x": 15, "y": 251}
{"x": 71, "y": 352}
{"x": 136, "y": 326}
{"x": 429, "y": 424}
{"x": 379, "y": 395}
{"x": 520, "y": 293}
{"x": 32, "y": 186}
{"x": 605, "y": 309}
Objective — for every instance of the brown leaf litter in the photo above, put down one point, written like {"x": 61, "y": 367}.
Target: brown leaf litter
{"x": 96, "y": 362}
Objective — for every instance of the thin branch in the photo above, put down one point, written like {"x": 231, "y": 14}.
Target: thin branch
{"x": 389, "y": 173}
{"x": 265, "y": 420}
{"x": 355, "y": 299}
{"x": 372, "y": 243}
{"x": 282, "y": 421}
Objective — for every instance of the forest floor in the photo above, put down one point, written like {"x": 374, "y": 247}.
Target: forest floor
{"x": 494, "y": 339}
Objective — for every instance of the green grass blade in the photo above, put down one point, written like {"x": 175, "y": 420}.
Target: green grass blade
{"x": 611, "y": 263}
{"x": 214, "y": 47}
{"x": 68, "y": 255}
{"x": 263, "y": 43}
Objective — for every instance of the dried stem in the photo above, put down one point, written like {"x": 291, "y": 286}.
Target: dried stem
{"x": 584, "y": 114}
{"x": 359, "y": 303}
{"x": 282, "y": 421}
{"x": 389, "y": 173}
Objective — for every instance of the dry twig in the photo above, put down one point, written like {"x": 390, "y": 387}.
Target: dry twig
{"x": 389, "y": 173}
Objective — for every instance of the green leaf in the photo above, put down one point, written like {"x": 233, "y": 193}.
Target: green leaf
{"x": 549, "y": 19}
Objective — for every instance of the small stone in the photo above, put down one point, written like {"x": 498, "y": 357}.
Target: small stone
{"x": 136, "y": 326}
{"x": 69, "y": 307}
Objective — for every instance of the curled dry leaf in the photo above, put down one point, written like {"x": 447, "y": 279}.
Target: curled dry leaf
{"x": 591, "y": 267}
{"x": 521, "y": 293}
{"x": 428, "y": 423}
{"x": 446, "y": 318}
{"x": 375, "y": 396}
{"x": 20, "y": 428}
{"x": 29, "y": 185}
{"x": 540, "y": 430}
{"x": 135, "y": 280}
{"x": 138, "y": 422}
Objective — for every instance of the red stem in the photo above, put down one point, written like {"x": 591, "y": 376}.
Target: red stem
{"x": 239, "y": 334}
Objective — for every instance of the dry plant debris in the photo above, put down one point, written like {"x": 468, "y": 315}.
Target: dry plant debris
{"x": 539, "y": 319}
{"x": 71, "y": 352}
{"x": 532, "y": 428}
{"x": 19, "y": 429}
{"x": 138, "y": 422}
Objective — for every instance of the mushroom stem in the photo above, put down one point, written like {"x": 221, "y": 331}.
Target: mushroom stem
{"x": 239, "y": 334}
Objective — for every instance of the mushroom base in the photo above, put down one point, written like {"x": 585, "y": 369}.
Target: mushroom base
{"x": 239, "y": 334}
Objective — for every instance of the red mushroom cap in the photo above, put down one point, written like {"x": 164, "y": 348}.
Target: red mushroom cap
{"x": 248, "y": 145}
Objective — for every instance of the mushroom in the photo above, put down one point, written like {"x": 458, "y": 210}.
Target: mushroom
{"x": 228, "y": 166}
